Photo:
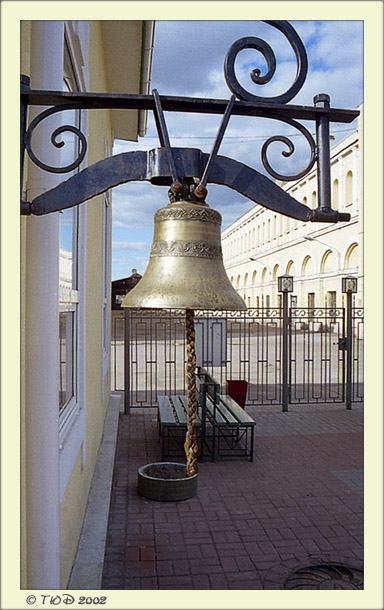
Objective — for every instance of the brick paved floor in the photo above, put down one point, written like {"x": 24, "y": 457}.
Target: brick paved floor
{"x": 300, "y": 501}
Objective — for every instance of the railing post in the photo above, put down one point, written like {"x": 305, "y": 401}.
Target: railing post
{"x": 349, "y": 287}
{"x": 285, "y": 285}
{"x": 127, "y": 371}
{"x": 348, "y": 398}
{"x": 285, "y": 353}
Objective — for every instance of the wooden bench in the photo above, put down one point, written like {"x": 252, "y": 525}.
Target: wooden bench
{"x": 227, "y": 428}
{"x": 224, "y": 429}
{"x": 173, "y": 424}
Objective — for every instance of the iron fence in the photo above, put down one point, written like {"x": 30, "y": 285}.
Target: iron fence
{"x": 148, "y": 355}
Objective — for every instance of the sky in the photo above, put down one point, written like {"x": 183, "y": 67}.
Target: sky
{"x": 188, "y": 60}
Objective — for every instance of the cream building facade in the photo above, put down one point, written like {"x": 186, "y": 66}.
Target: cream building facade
{"x": 65, "y": 287}
{"x": 261, "y": 245}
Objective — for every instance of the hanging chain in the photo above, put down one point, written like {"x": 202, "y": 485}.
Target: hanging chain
{"x": 190, "y": 445}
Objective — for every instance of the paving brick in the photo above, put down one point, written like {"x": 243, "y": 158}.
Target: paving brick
{"x": 176, "y": 582}
{"x": 201, "y": 581}
{"x": 296, "y": 501}
{"x": 164, "y": 568}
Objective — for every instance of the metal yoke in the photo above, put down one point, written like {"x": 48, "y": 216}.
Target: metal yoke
{"x": 187, "y": 171}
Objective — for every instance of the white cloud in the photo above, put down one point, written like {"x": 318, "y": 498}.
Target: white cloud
{"x": 130, "y": 245}
{"x": 188, "y": 60}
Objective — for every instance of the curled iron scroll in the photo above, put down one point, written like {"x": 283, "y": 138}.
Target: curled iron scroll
{"x": 290, "y": 151}
{"x": 58, "y": 131}
{"x": 252, "y": 42}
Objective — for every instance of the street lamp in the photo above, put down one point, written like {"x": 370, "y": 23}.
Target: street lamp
{"x": 285, "y": 285}
{"x": 349, "y": 287}
{"x": 349, "y": 284}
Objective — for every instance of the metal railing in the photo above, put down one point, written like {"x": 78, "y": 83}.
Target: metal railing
{"x": 239, "y": 345}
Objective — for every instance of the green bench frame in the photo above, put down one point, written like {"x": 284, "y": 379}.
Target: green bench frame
{"x": 223, "y": 428}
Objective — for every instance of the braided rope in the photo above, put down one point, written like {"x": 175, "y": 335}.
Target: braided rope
{"x": 190, "y": 445}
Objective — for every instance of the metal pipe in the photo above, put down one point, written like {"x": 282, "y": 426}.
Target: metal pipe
{"x": 127, "y": 360}
{"x": 324, "y": 154}
{"x": 145, "y": 76}
{"x": 348, "y": 396}
{"x": 285, "y": 357}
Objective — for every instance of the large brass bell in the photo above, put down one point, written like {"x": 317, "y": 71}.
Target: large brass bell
{"x": 185, "y": 269}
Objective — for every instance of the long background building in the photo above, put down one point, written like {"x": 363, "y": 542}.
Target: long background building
{"x": 261, "y": 244}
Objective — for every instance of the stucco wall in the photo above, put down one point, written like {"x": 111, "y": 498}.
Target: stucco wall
{"x": 97, "y": 397}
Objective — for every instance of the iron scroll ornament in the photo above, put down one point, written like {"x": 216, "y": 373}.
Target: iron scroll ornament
{"x": 251, "y": 42}
{"x": 58, "y": 131}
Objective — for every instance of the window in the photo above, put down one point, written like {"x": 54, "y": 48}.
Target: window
{"x": 348, "y": 189}
{"x": 311, "y": 304}
{"x": 335, "y": 194}
{"x": 69, "y": 266}
{"x": 106, "y": 280}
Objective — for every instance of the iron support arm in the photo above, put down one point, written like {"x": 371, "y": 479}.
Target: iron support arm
{"x": 170, "y": 103}
{"x": 153, "y": 166}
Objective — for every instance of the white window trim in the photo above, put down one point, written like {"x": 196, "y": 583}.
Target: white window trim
{"x": 72, "y": 428}
{"x": 106, "y": 303}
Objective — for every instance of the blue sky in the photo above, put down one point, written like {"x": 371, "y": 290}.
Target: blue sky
{"x": 188, "y": 60}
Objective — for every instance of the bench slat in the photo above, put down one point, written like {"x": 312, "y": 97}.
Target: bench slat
{"x": 220, "y": 419}
{"x": 165, "y": 411}
{"x": 181, "y": 412}
{"x": 237, "y": 411}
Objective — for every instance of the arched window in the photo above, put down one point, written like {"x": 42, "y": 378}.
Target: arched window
{"x": 351, "y": 257}
{"x": 264, "y": 275}
{"x": 290, "y": 268}
{"x": 328, "y": 263}
{"x": 348, "y": 189}
{"x": 254, "y": 276}
{"x": 275, "y": 272}
{"x": 307, "y": 268}
{"x": 314, "y": 200}
{"x": 335, "y": 194}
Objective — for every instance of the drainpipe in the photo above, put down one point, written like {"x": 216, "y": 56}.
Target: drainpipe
{"x": 42, "y": 334}
{"x": 145, "y": 75}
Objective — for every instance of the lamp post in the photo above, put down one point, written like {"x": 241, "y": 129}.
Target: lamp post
{"x": 349, "y": 287}
{"x": 285, "y": 285}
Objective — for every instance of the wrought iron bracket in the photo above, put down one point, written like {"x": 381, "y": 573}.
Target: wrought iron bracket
{"x": 159, "y": 168}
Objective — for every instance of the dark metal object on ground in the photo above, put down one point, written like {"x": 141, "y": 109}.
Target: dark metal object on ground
{"x": 325, "y": 576}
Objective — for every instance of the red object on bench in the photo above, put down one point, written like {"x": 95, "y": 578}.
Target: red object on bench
{"x": 237, "y": 389}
